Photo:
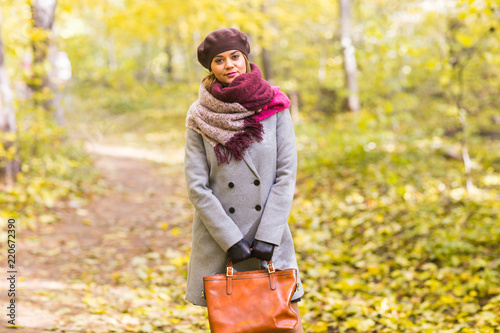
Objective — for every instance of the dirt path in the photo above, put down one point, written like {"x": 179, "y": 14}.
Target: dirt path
{"x": 117, "y": 264}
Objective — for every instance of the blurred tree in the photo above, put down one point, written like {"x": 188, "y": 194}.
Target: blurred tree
{"x": 10, "y": 165}
{"x": 350, "y": 66}
{"x": 470, "y": 35}
{"x": 169, "y": 69}
{"x": 266, "y": 56}
{"x": 43, "y": 20}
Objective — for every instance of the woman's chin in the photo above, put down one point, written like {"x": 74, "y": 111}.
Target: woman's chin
{"x": 227, "y": 80}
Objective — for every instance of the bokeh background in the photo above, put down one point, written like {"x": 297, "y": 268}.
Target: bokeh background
{"x": 396, "y": 216}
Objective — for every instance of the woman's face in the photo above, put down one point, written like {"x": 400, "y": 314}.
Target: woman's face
{"x": 226, "y": 66}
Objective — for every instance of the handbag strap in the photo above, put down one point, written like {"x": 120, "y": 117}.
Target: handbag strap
{"x": 229, "y": 267}
{"x": 229, "y": 276}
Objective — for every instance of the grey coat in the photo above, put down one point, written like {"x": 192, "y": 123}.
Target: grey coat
{"x": 248, "y": 199}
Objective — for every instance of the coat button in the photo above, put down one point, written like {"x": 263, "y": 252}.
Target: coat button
{"x": 231, "y": 185}
{"x": 256, "y": 182}
{"x": 258, "y": 208}
{"x": 231, "y": 210}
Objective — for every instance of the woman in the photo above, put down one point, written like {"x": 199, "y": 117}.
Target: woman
{"x": 240, "y": 167}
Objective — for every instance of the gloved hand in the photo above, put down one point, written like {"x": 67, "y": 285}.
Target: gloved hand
{"x": 239, "y": 251}
{"x": 262, "y": 250}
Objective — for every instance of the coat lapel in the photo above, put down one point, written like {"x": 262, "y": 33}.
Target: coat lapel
{"x": 248, "y": 161}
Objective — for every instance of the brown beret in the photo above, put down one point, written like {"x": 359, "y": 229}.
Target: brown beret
{"x": 220, "y": 41}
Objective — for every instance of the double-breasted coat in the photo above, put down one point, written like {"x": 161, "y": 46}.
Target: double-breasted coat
{"x": 248, "y": 199}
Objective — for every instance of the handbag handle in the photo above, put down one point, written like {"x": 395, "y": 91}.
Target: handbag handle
{"x": 229, "y": 276}
{"x": 229, "y": 267}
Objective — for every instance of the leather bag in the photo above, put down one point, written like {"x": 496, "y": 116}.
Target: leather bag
{"x": 256, "y": 301}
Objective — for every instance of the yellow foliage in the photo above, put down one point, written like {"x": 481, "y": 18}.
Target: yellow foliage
{"x": 319, "y": 327}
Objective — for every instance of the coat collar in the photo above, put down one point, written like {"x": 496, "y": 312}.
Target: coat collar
{"x": 248, "y": 161}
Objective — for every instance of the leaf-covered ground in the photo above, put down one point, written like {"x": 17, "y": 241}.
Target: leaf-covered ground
{"x": 388, "y": 236}
{"x": 116, "y": 264}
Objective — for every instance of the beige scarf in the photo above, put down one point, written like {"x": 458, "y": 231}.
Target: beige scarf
{"x": 229, "y": 127}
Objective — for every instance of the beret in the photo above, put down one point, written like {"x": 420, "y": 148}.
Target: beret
{"x": 220, "y": 41}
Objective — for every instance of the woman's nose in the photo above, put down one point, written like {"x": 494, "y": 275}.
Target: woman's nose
{"x": 229, "y": 63}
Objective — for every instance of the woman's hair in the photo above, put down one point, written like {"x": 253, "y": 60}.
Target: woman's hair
{"x": 210, "y": 79}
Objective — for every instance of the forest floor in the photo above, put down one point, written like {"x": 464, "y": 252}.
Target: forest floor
{"x": 106, "y": 265}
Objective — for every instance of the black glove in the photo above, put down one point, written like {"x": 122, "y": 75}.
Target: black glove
{"x": 262, "y": 250}
{"x": 239, "y": 251}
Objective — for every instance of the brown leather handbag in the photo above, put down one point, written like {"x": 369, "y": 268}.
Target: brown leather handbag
{"x": 252, "y": 301}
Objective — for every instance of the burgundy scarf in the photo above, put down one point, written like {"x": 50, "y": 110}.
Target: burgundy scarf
{"x": 229, "y": 117}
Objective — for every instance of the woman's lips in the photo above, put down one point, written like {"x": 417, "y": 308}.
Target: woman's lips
{"x": 232, "y": 74}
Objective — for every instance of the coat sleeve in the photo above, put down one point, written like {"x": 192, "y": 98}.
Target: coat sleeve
{"x": 279, "y": 202}
{"x": 196, "y": 169}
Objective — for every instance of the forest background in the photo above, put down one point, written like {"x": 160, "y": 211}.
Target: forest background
{"x": 396, "y": 217}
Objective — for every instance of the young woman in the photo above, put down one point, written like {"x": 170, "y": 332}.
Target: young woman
{"x": 240, "y": 167}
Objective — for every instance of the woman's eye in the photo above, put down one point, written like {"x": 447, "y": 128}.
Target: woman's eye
{"x": 236, "y": 56}
{"x": 218, "y": 61}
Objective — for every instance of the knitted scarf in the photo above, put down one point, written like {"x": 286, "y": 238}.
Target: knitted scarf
{"x": 229, "y": 117}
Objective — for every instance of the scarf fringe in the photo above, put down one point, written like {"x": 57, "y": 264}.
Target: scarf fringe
{"x": 240, "y": 142}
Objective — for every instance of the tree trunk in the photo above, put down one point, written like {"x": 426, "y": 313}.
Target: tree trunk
{"x": 169, "y": 52}
{"x": 112, "y": 62}
{"x": 350, "y": 66}
{"x": 266, "y": 55}
{"x": 43, "y": 19}
{"x": 322, "y": 64}
{"x": 462, "y": 116}
{"x": 266, "y": 62}
{"x": 169, "y": 68}
{"x": 8, "y": 126}
{"x": 294, "y": 107}
{"x": 59, "y": 74}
